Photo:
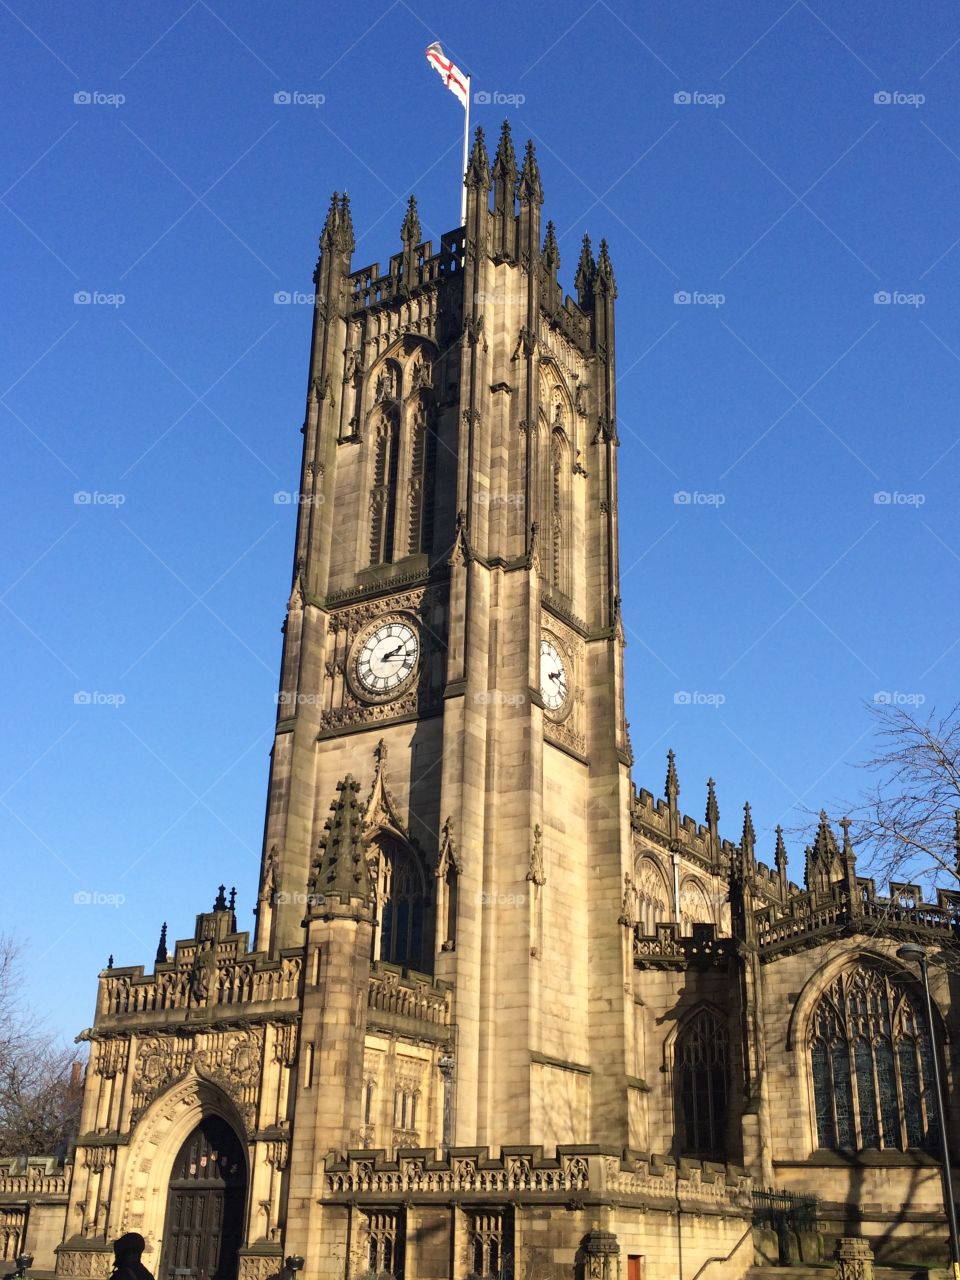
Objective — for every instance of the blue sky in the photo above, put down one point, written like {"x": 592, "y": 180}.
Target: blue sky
{"x": 762, "y": 615}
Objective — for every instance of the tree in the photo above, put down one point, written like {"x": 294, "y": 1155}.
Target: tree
{"x": 909, "y": 821}
{"x": 40, "y": 1078}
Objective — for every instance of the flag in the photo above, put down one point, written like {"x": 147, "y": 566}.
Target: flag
{"x": 452, "y": 76}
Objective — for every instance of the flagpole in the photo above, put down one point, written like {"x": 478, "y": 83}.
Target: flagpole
{"x": 466, "y": 158}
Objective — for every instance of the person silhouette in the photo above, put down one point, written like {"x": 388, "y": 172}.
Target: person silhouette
{"x": 127, "y": 1251}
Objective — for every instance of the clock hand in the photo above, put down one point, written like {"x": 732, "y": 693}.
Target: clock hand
{"x": 556, "y": 675}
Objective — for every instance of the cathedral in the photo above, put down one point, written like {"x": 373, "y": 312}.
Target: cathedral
{"x": 504, "y": 1013}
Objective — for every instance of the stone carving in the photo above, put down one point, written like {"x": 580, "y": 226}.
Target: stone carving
{"x": 536, "y": 874}
{"x": 854, "y": 1259}
{"x": 84, "y": 1263}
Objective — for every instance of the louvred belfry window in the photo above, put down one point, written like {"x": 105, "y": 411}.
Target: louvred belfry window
{"x": 872, "y": 1066}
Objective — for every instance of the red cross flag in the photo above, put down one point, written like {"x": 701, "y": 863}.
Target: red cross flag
{"x": 451, "y": 74}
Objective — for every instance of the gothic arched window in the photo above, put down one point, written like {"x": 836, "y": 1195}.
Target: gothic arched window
{"x": 383, "y": 497}
{"x": 559, "y": 510}
{"x": 694, "y": 907}
{"x": 651, "y": 896}
{"x": 700, "y": 1070}
{"x": 400, "y": 901}
{"x": 423, "y": 462}
{"x": 872, "y": 1066}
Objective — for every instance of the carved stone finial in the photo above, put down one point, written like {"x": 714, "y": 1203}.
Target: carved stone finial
{"x": 341, "y": 869}
{"x": 162, "y": 956}
{"x": 410, "y": 231}
{"x": 672, "y": 787}
{"x": 478, "y": 167}
{"x": 110, "y": 961}
{"x": 748, "y": 838}
{"x": 345, "y": 237}
{"x": 332, "y": 224}
{"x": 529, "y": 189}
{"x": 505, "y": 160}
{"x": 713, "y": 810}
{"x": 780, "y": 852}
{"x": 585, "y": 276}
{"x": 551, "y": 250}
{"x": 606, "y": 281}
{"x": 220, "y": 902}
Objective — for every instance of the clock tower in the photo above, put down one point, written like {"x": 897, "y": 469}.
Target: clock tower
{"x": 453, "y": 654}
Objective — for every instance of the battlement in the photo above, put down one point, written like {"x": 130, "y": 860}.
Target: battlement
{"x": 32, "y": 1176}
{"x": 412, "y": 996}
{"x": 813, "y": 913}
{"x": 368, "y": 288}
{"x": 525, "y": 1173}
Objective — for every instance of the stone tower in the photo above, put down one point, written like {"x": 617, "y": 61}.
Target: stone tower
{"x": 453, "y": 643}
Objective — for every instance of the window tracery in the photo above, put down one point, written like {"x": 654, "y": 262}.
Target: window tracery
{"x": 871, "y": 1064}
{"x": 651, "y": 889}
{"x": 700, "y": 1065}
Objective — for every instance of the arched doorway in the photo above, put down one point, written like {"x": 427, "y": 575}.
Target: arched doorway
{"x": 205, "y": 1205}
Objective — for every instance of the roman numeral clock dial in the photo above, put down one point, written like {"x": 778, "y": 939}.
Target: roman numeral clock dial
{"x": 554, "y": 682}
{"x": 385, "y": 659}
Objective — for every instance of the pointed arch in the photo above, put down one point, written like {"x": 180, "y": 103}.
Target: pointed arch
{"x": 401, "y": 898}
{"x": 701, "y": 1075}
{"x": 653, "y": 895}
{"x": 157, "y": 1138}
{"x": 694, "y": 905}
{"x": 870, "y": 1062}
{"x": 383, "y": 494}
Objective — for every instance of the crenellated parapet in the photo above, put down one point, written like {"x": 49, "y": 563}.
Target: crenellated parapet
{"x": 409, "y": 998}
{"x": 817, "y": 915}
{"x": 368, "y": 288}
{"x": 575, "y": 1175}
{"x": 33, "y": 1177}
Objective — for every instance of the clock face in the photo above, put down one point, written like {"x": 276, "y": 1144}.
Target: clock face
{"x": 386, "y": 658}
{"x": 553, "y": 676}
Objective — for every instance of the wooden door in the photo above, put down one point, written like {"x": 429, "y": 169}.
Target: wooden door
{"x": 205, "y": 1206}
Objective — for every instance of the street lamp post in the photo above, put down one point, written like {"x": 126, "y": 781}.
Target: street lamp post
{"x": 911, "y": 951}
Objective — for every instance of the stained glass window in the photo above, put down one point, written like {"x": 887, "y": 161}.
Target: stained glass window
{"x": 701, "y": 1076}
{"x": 872, "y": 1068}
